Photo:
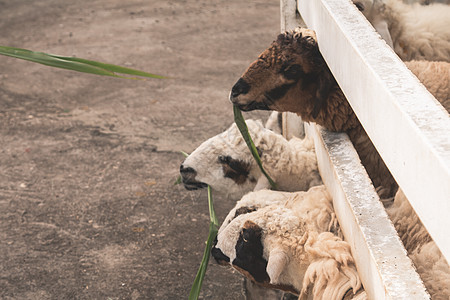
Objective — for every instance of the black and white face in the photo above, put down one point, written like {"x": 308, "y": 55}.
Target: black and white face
{"x": 231, "y": 231}
{"x": 223, "y": 162}
{"x": 242, "y": 244}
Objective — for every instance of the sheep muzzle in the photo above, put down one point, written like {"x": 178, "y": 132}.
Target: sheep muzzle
{"x": 188, "y": 178}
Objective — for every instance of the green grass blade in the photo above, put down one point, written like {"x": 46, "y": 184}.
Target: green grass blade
{"x": 72, "y": 63}
{"x": 178, "y": 181}
{"x": 240, "y": 122}
{"x": 109, "y": 67}
{"x": 212, "y": 213}
{"x": 213, "y": 229}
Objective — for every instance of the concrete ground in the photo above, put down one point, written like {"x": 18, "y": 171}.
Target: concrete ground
{"x": 87, "y": 163}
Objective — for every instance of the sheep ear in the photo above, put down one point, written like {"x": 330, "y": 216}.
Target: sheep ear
{"x": 323, "y": 91}
{"x": 381, "y": 27}
{"x": 278, "y": 260}
{"x": 262, "y": 184}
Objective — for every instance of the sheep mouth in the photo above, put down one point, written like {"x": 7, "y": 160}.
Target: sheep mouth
{"x": 253, "y": 106}
{"x": 220, "y": 258}
{"x": 194, "y": 185}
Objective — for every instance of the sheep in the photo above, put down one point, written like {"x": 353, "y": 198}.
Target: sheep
{"x": 418, "y": 243}
{"x": 225, "y": 163}
{"x": 423, "y": 251}
{"x": 315, "y": 209}
{"x": 435, "y": 76}
{"x": 290, "y": 242}
{"x": 292, "y": 75}
{"x": 413, "y": 31}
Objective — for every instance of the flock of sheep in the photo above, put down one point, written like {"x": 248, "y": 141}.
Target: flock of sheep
{"x": 290, "y": 239}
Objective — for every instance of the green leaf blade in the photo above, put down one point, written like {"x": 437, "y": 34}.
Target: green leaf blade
{"x": 198, "y": 281}
{"x": 109, "y": 67}
{"x": 240, "y": 122}
{"x": 213, "y": 230}
{"x": 73, "y": 63}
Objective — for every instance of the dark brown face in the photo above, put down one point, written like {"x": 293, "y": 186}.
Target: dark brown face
{"x": 249, "y": 253}
{"x": 285, "y": 77}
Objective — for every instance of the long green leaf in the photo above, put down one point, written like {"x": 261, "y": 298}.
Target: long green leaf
{"x": 212, "y": 213}
{"x": 240, "y": 122}
{"x": 213, "y": 229}
{"x": 73, "y": 63}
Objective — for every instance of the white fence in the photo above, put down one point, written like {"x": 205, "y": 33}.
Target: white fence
{"x": 408, "y": 127}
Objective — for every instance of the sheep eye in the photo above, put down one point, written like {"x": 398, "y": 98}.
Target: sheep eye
{"x": 360, "y": 6}
{"x": 293, "y": 72}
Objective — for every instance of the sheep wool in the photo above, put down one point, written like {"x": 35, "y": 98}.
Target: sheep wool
{"x": 292, "y": 75}
{"x": 285, "y": 244}
{"x": 423, "y": 251}
{"x": 415, "y": 32}
{"x": 225, "y": 163}
{"x": 435, "y": 76}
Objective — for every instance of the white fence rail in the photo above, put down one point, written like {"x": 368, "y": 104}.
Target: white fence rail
{"x": 410, "y": 130}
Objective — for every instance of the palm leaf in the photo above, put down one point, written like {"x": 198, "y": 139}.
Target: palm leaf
{"x": 73, "y": 63}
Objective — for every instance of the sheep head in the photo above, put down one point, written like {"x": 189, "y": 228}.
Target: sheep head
{"x": 241, "y": 244}
{"x": 291, "y": 75}
{"x": 223, "y": 162}
{"x": 373, "y": 10}
{"x": 270, "y": 240}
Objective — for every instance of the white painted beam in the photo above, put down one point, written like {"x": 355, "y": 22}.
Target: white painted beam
{"x": 408, "y": 127}
{"x": 381, "y": 260}
{"x": 289, "y": 16}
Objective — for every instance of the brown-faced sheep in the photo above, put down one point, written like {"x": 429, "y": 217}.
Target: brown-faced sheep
{"x": 225, "y": 163}
{"x": 290, "y": 242}
{"x": 413, "y": 31}
{"x": 292, "y": 75}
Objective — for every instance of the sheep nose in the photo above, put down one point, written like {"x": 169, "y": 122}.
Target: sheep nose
{"x": 186, "y": 171}
{"x": 240, "y": 87}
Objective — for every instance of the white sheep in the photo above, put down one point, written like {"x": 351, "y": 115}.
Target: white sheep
{"x": 423, "y": 251}
{"x": 291, "y": 242}
{"x": 225, "y": 163}
{"x": 315, "y": 209}
{"x": 413, "y": 31}
{"x": 411, "y": 231}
